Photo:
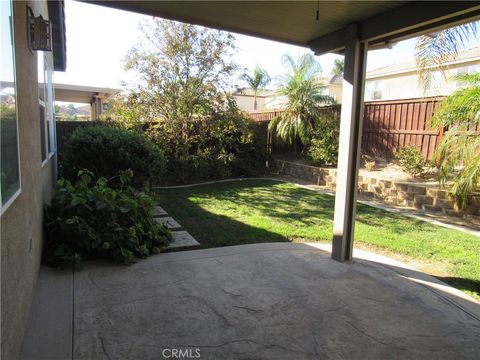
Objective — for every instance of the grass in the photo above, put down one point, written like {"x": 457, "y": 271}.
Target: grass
{"x": 253, "y": 211}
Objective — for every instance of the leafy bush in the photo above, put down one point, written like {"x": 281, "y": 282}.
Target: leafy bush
{"x": 106, "y": 150}
{"x": 411, "y": 160}
{"x": 91, "y": 220}
{"x": 323, "y": 148}
{"x": 220, "y": 144}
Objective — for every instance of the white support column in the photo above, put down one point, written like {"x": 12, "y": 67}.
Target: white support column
{"x": 349, "y": 147}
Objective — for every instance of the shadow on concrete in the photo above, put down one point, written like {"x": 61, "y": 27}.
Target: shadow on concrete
{"x": 288, "y": 205}
{"x": 461, "y": 283}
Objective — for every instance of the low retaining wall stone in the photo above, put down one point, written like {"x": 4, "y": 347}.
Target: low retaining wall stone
{"x": 420, "y": 196}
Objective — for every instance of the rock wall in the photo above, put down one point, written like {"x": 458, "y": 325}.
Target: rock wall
{"x": 427, "y": 197}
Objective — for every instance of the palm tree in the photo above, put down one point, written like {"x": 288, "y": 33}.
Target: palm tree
{"x": 258, "y": 80}
{"x": 301, "y": 96}
{"x": 433, "y": 51}
{"x": 338, "y": 66}
{"x": 458, "y": 155}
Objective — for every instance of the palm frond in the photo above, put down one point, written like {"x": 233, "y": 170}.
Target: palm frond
{"x": 301, "y": 96}
{"x": 458, "y": 155}
{"x": 432, "y": 51}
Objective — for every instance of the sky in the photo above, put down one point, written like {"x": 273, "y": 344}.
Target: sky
{"x": 95, "y": 52}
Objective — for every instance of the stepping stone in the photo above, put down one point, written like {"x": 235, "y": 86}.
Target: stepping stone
{"x": 182, "y": 239}
{"x": 158, "y": 211}
{"x": 169, "y": 222}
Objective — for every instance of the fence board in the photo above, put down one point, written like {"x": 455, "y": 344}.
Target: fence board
{"x": 390, "y": 125}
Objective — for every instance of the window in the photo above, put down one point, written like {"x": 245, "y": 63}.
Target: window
{"x": 433, "y": 82}
{"x": 9, "y": 162}
{"x": 46, "y": 107}
{"x": 472, "y": 69}
{"x": 377, "y": 90}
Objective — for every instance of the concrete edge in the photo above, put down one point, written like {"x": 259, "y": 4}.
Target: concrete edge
{"x": 49, "y": 332}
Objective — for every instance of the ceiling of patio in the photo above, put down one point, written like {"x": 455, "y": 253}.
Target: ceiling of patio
{"x": 288, "y": 21}
{"x": 294, "y": 22}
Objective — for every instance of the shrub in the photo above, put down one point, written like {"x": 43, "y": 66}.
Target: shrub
{"x": 106, "y": 150}
{"x": 220, "y": 144}
{"x": 411, "y": 160}
{"x": 323, "y": 148}
{"x": 91, "y": 220}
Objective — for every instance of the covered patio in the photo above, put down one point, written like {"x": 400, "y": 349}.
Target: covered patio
{"x": 270, "y": 301}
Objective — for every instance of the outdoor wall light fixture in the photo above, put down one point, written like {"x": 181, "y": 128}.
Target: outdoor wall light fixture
{"x": 39, "y": 32}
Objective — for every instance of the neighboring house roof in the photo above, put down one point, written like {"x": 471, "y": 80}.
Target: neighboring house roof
{"x": 331, "y": 80}
{"x": 336, "y": 80}
{"x": 409, "y": 66}
{"x": 250, "y": 92}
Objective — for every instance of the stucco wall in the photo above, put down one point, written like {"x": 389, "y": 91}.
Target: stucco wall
{"x": 21, "y": 223}
{"x": 406, "y": 85}
{"x": 246, "y": 102}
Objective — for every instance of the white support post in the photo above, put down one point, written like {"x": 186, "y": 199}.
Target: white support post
{"x": 350, "y": 143}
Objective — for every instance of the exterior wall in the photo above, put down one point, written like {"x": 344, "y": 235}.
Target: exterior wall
{"x": 22, "y": 221}
{"x": 419, "y": 196}
{"x": 405, "y": 85}
{"x": 245, "y": 102}
{"x": 335, "y": 90}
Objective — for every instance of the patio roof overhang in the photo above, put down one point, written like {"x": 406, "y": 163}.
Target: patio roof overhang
{"x": 348, "y": 27}
{"x": 294, "y": 22}
{"x": 81, "y": 94}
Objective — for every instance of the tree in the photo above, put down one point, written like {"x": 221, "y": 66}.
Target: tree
{"x": 301, "y": 97}
{"x": 257, "y": 80}
{"x": 183, "y": 68}
{"x": 433, "y": 51}
{"x": 180, "y": 101}
{"x": 458, "y": 155}
{"x": 183, "y": 72}
{"x": 338, "y": 66}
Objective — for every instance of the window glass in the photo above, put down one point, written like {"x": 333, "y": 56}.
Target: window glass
{"x": 472, "y": 69}
{"x": 42, "y": 103}
{"x": 433, "y": 82}
{"x": 9, "y": 165}
{"x": 50, "y": 107}
{"x": 377, "y": 90}
{"x": 45, "y": 100}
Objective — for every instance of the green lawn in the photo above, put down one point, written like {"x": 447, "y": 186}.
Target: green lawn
{"x": 253, "y": 211}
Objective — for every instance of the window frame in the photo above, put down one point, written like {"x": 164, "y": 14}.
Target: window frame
{"x": 50, "y": 119}
{"x": 16, "y": 194}
{"x": 49, "y": 146}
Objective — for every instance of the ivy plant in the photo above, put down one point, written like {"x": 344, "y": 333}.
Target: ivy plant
{"x": 89, "y": 219}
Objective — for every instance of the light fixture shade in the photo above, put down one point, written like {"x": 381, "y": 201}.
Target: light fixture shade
{"x": 39, "y": 33}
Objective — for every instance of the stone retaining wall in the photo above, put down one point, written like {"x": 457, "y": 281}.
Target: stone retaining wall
{"x": 420, "y": 196}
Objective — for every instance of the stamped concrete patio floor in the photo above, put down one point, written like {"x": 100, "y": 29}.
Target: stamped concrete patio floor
{"x": 263, "y": 301}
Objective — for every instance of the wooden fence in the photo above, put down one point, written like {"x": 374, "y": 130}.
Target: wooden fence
{"x": 389, "y": 126}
